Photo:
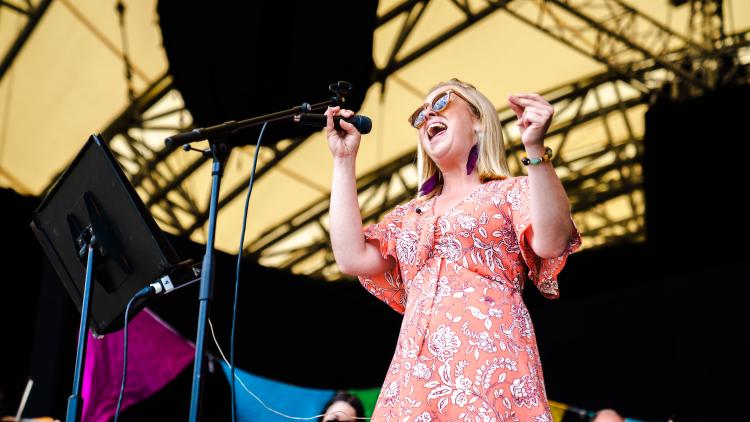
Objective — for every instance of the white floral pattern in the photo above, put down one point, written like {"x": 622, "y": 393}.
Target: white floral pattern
{"x": 467, "y": 350}
{"x": 421, "y": 371}
{"x": 406, "y": 246}
{"x": 449, "y": 248}
{"x": 444, "y": 343}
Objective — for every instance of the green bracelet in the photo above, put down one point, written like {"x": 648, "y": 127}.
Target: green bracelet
{"x": 534, "y": 161}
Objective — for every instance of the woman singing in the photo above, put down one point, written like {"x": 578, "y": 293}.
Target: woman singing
{"x": 454, "y": 259}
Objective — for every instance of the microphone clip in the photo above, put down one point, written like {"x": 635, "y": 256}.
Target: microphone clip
{"x": 342, "y": 89}
{"x": 204, "y": 152}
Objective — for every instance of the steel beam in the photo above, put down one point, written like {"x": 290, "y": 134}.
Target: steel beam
{"x": 34, "y": 15}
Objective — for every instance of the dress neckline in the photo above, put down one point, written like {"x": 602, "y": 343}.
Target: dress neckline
{"x": 458, "y": 204}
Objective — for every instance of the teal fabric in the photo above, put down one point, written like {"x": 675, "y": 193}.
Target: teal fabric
{"x": 285, "y": 398}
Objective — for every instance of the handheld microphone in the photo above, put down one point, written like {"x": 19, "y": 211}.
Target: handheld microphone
{"x": 362, "y": 123}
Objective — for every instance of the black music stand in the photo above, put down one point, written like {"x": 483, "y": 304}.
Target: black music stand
{"x": 103, "y": 243}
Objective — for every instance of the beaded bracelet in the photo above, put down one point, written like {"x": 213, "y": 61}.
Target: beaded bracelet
{"x": 543, "y": 159}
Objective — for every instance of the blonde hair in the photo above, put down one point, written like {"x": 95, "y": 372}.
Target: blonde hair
{"x": 491, "y": 163}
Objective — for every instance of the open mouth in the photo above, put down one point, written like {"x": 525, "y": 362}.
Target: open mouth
{"x": 435, "y": 129}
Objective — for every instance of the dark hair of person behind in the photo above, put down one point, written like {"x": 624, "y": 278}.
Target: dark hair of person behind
{"x": 348, "y": 398}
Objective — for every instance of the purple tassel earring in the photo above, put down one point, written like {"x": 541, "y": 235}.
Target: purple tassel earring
{"x": 471, "y": 163}
{"x": 429, "y": 185}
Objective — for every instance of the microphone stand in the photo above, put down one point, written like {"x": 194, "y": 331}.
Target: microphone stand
{"x": 219, "y": 151}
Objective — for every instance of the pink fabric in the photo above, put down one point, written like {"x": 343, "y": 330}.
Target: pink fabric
{"x": 156, "y": 355}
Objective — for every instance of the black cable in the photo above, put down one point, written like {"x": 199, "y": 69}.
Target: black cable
{"x": 146, "y": 291}
{"x": 237, "y": 273}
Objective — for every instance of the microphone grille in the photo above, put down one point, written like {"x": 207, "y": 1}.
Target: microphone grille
{"x": 364, "y": 124}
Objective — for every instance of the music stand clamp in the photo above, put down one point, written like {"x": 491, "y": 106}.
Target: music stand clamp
{"x": 219, "y": 151}
{"x": 104, "y": 245}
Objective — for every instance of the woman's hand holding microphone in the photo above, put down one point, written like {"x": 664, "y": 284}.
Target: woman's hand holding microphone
{"x": 343, "y": 143}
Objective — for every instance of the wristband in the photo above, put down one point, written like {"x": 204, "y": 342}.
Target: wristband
{"x": 534, "y": 161}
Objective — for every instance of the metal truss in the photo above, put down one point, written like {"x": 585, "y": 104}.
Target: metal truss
{"x": 609, "y": 31}
{"x": 147, "y": 163}
{"x": 32, "y": 13}
{"x": 601, "y": 175}
{"x": 411, "y": 12}
{"x": 616, "y": 35}
{"x": 161, "y": 175}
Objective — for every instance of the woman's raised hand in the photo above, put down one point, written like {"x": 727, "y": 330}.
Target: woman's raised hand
{"x": 345, "y": 142}
{"x": 534, "y": 117}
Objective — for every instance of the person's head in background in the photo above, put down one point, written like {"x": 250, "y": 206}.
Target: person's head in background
{"x": 342, "y": 407}
{"x": 607, "y": 415}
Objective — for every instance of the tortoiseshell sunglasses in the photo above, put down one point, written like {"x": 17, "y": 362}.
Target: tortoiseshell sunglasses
{"x": 439, "y": 103}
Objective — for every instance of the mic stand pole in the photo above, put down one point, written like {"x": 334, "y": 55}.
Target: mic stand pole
{"x": 75, "y": 401}
{"x": 220, "y": 152}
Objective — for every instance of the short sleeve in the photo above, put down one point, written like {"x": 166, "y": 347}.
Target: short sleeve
{"x": 542, "y": 271}
{"x": 387, "y": 286}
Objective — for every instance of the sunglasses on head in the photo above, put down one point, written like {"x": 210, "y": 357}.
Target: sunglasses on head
{"x": 439, "y": 103}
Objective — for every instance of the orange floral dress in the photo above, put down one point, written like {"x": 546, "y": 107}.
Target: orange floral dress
{"x": 466, "y": 350}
